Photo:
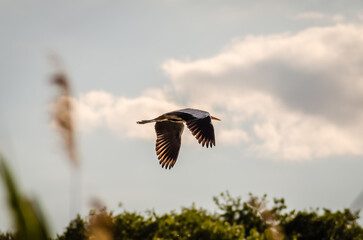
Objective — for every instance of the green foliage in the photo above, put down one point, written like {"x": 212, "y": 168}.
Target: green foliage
{"x": 262, "y": 222}
{"x": 194, "y": 223}
{"x": 29, "y": 221}
{"x": 134, "y": 226}
{"x": 253, "y": 219}
{"x": 252, "y": 214}
{"x": 329, "y": 225}
{"x": 191, "y": 223}
{"x": 250, "y": 220}
{"x": 75, "y": 231}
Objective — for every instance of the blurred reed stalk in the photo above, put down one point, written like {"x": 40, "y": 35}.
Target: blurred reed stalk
{"x": 274, "y": 230}
{"x": 101, "y": 225}
{"x": 63, "y": 119}
{"x": 62, "y": 114}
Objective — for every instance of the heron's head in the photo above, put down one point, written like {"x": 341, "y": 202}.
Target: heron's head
{"x": 214, "y": 118}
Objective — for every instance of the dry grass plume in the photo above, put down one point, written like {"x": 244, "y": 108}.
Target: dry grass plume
{"x": 62, "y": 115}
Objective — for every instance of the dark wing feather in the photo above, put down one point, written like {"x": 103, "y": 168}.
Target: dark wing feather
{"x": 168, "y": 142}
{"x": 203, "y": 130}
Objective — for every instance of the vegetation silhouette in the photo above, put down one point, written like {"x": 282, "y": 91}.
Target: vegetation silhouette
{"x": 235, "y": 219}
{"x": 254, "y": 219}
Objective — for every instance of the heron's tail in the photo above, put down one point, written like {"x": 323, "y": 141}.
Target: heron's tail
{"x": 146, "y": 121}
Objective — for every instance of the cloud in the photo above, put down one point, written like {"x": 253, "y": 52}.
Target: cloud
{"x": 317, "y": 71}
{"x": 302, "y": 93}
{"x": 101, "y": 109}
{"x": 285, "y": 96}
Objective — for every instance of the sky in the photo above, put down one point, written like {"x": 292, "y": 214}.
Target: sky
{"x": 286, "y": 79}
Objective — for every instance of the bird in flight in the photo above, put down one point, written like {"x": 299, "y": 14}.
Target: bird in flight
{"x": 169, "y": 128}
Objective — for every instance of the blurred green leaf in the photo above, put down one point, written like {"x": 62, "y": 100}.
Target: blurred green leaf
{"x": 30, "y": 223}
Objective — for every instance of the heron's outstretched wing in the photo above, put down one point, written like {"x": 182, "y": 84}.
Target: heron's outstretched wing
{"x": 168, "y": 142}
{"x": 203, "y": 130}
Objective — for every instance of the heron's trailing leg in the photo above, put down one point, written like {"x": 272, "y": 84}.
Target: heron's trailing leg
{"x": 146, "y": 121}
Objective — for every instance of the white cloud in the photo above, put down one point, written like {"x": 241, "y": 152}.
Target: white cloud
{"x": 302, "y": 93}
{"x": 286, "y": 96}
{"x": 294, "y": 135}
{"x": 311, "y": 71}
{"x": 119, "y": 114}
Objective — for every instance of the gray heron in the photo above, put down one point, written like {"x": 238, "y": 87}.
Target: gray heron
{"x": 169, "y": 128}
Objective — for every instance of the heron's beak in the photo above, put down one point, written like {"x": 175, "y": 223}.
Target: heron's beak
{"x": 215, "y": 118}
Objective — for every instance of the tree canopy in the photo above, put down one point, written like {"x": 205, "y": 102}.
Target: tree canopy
{"x": 253, "y": 219}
